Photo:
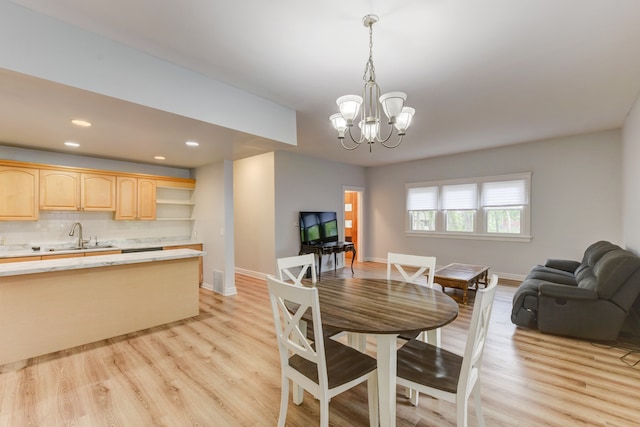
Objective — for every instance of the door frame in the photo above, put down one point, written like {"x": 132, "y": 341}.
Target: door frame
{"x": 361, "y": 228}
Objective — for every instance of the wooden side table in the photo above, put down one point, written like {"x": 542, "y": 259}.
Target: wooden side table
{"x": 461, "y": 276}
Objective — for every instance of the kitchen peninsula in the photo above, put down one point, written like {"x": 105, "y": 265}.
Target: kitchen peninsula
{"x": 55, "y": 304}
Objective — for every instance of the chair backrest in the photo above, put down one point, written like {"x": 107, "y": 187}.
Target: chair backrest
{"x": 289, "y": 302}
{"x": 477, "y": 334}
{"x": 304, "y": 262}
{"x": 423, "y": 263}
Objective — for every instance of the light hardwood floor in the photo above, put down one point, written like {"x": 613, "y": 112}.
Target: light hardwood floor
{"x": 221, "y": 368}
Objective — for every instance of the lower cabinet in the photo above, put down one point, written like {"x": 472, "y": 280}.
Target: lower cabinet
{"x": 196, "y": 247}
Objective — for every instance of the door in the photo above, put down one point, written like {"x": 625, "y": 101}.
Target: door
{"x": 351, "y": 220}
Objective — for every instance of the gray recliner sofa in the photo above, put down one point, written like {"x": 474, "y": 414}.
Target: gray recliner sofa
{"x": 591, "y": 299}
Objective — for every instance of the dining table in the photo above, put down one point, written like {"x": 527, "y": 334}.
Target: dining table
{"x": 384, "y": 309}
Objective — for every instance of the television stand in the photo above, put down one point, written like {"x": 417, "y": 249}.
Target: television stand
{"x": 329, "y": 248}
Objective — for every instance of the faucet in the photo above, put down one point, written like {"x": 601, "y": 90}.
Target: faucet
{"x": 72, "y": 232}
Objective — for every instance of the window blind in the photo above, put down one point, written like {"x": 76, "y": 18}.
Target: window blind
{"x": 460, "y": 196}
{"x": 422, "y": 199}
{"x": 504, "y": 193}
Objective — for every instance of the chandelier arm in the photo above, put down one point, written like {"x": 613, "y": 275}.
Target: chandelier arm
{"x": 349, "y": 148}
{"x": 357, "y": 141}
{"x": 392, "y": 146}
{"x": 350, "y": 136}
{"x": 382, "y": 141}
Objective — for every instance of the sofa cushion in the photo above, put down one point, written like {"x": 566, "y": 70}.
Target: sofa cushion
{"x": 613, "y": 270}
{"x": 596, "y": 251}
{"x": 542, "y": 272}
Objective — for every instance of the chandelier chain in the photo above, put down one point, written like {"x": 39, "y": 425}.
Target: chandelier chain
{"x": 369, "y": 68}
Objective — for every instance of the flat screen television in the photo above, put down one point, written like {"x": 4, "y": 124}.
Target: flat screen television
{"x": 318, "y": 227}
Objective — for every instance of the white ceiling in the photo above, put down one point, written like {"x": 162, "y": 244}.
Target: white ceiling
{"x": 479, "y": 73}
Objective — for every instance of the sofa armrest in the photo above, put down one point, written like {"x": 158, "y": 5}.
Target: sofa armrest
{"x": 551, "y": 290}
{"x": 562, "y": 264}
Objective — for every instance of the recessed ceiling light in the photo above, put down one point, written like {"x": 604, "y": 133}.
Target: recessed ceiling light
{"x": 192, "y": 143}
{"x": 71, "y": 144}
{"x": 81, "y": 123}
{"x": 160, "y": 158}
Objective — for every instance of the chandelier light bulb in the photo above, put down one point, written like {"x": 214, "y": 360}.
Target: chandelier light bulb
{"x": 403, "y": 121}
{"x": 349, "y": 106}
{"x": 339, "y": 124}
{"x": 367, "y": 109}
{"x": 392, "y": 103}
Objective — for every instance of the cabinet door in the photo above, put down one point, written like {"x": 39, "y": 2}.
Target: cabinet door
{"x": 98, "y": 192}
{"x": 146, "y": 199}
{"x": 18, "y": 194}
{"x": 126, "y": 198}
{"x": 59, "y": 190}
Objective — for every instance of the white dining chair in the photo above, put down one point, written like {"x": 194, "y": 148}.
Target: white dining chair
{"x": 445, "y": 375}
{"x": 424, "y": 265}
{"x": 325, "y": 368}
{"x": 295, "y": 268}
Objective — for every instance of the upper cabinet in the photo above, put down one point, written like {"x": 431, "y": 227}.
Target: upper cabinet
{"x": 136, "y": 199}
{"x": 26, "y": 188}
{"x": 66, "y": 190}
{"x": 18, "y": 193}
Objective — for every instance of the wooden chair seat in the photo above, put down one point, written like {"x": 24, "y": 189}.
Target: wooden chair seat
{"x": 344, "y": 364}
{"x": 429, "y": 365}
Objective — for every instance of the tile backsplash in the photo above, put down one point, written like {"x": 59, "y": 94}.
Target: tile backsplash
{"x": 54, "y": 227}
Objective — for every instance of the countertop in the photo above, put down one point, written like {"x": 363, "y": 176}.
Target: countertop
{"x": 44, "y": 266}
{"x": 25, "y": 251}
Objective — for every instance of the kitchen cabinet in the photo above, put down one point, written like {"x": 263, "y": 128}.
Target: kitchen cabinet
{"x": 18, "y": 193}
{"x": 67, "y": 190}
{"x": 19, "y": 259}
{"x": 60, "y": 256}
{"x": 96, "y": 253}
{"x": 136, "y": 199}
{"x": 196, "y": 247}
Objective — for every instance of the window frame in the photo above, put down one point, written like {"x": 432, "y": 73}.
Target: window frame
{"x": 480, "y": 215}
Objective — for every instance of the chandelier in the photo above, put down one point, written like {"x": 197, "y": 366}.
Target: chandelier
{"x": 369, "y": 105}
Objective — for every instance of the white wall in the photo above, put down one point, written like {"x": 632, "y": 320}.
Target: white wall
{"x": 213, "y": 224}
{"x": 631, "y": 179}
{"x": 308, "y": 184}
{"x": 37, "y": 45}
{"x": 576, "y": 199}
{"x": 254, "y": 214}
{"x": 269, "y": 192}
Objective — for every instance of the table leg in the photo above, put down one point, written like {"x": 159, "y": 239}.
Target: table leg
{"x": 319, "y": 267}
{"x": 353, "y": 252}
{"x": 387, "y": 366}
{"x": 465, "y": 293}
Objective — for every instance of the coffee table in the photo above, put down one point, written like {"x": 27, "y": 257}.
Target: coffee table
{"x": 460, "y": 276}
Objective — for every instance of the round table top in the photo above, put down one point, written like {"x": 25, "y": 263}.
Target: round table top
{"x": 381, "y": 306}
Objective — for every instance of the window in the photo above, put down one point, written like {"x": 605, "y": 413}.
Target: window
{"x": 422, "y": 205}
{"x": 486, "y": 208}
{"x": 459, "y": 203}
{"x": 504, "y": 202}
